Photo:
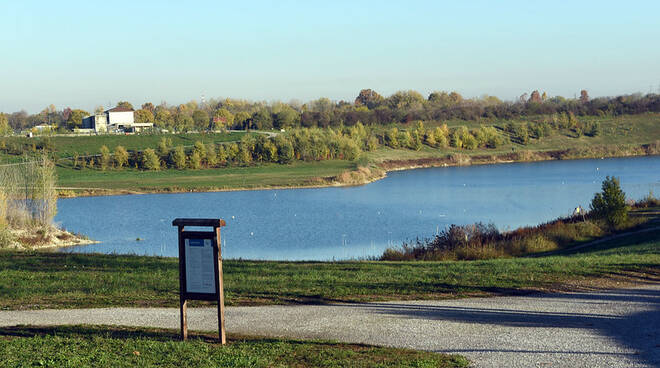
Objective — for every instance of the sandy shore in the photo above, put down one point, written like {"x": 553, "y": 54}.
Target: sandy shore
{"x": 29, "y": 239}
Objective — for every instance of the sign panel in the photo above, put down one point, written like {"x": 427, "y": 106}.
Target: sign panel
{"x": 200, "y": 270}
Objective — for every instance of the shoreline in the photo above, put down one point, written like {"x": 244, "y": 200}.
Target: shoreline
{"x": 376, "y": 171}
{"x": 54, "y": 238}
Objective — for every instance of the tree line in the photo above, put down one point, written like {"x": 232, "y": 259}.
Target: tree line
{"x": 369, "y": 108}
{"x": 311, "y": 144}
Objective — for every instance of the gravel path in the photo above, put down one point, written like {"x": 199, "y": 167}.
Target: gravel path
{"x": 616, "y": 328}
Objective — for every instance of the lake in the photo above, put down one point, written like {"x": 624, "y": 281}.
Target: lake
{"x": 355, "y": 222}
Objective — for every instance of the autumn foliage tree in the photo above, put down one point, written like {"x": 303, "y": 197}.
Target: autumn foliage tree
{"x": 121, "y": 156}
{"x": 369, "y": 98}
{"x": 150, "y": 160}
{"x": 584, "y": 96}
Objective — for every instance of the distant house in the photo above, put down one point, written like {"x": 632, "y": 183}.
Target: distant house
{"x": 96, "y": 123}
{"x": 120, "y": 117}
{"x": 43, "y": 127}
{"x": 115, "y": 119}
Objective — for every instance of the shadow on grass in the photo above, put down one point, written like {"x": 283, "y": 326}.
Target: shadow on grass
{"x": 153, "y": 334}
{"x": 58, "y": 262}
{"x": 89, "y": 331}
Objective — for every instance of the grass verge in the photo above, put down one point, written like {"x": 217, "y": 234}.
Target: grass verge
{"x": 35, "y": 280}
{"x": 105, "y": 346}
{"x": 480, "y": 241}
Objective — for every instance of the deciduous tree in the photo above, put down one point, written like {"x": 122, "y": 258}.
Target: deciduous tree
{"x": 4, "y": 124}
{"x": 223, "y": 119}
{"x": 178, "y": 158}
{"x": 144, "y": 116}
{"x": 76, "y": 117}
{"x": 105, "y": 157}
{"x": 150, "y": 160}
{"x": 124, "y": 104}
{"x": 369, "y": 98}
{"x": 201, "y": 119}
{"x": 584, "y": 96}
{"x": 121, "y": 157}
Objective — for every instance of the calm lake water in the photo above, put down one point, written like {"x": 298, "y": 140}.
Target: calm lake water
{"x": 355, "y": 222}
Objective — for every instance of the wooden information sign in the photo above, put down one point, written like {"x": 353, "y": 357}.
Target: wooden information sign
{"x": 200, "y": 269}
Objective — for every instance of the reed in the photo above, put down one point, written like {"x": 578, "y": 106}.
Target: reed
{"x": 28, "y": 196}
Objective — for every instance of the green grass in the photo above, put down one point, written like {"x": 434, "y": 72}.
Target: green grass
{"x": 626, "y": 131}
{"x": 543, "y": 239}
{"x": 271, "y": 175}
{"x": 105, "y": 346}
{"x": 66, "y": 146}
{"x": 33, "y": 280}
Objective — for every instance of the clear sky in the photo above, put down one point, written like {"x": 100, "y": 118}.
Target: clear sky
{"x": 87, "y": 53}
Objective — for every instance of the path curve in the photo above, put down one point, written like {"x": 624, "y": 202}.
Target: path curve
{"x": 615, "y": 328}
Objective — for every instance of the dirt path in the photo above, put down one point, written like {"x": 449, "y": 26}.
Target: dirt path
{"x": 616, "y": 328}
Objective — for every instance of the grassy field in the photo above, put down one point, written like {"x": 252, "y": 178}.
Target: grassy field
{"x": 271, "y": 175}
{"x": 627, "y": 132}
{"x": 34, "y": 280}
{"x": 66, "y": 146}
{"x": 106, "y": 346}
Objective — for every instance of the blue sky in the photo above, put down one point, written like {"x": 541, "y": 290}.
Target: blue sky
{"x": 84, "y": 53}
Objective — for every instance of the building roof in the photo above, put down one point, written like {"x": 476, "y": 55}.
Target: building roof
{"x": 120, "y": 109}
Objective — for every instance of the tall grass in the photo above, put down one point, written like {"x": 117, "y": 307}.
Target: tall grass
{"x": 480, "y": 241}
{"x": 28, "y": 198}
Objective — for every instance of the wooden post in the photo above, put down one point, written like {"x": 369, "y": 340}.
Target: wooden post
{"x": 183, "y": 303}
{"x": 220, "y": 289}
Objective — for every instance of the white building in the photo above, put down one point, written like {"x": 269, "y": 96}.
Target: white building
{"x": 115, "y": 119}
{"x": 120, "y": 117}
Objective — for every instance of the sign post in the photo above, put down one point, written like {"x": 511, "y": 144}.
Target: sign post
{"x": 200, "y": 269}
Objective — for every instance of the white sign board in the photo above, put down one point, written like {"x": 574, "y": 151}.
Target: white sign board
{"x": 200, "y": 273}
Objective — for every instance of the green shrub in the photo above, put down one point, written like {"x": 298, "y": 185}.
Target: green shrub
{"x": 178, "y": 158}
{"x": 6, "y": 237}
{"x": 610, "y": 204}
{"x": 150, "y": 160}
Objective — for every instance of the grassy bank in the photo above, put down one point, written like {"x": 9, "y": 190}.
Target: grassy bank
{"x": 481, "y": 241}
{"x": 94, "y": 346}
{"x": 34, "y": 280}
{"x": 297, "y": 174}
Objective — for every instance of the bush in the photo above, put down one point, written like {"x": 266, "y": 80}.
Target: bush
{"x": 6, "y": 237}
{"x": 121, "y": 156}
{"x": 178, "y": 158}
{"x": 610, "y": 204}
{"x": 195, "y": 160}
{"x": 150, "y": 160}
{"x": 105, "y": 158}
